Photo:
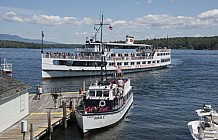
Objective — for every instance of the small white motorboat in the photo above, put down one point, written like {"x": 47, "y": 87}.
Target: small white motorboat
{"x": 205, "y": 128}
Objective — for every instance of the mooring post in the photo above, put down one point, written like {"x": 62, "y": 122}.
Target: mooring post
{"x": 84, "y": 86}
{"x": 72, "y": 110}
{"x": 31, "y": 131}
{"x": 64, "y": 114}
{"x": 49, "y": 124}
{"x": 23, "y": 128}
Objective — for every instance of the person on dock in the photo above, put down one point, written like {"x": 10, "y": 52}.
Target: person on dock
{"x": 55, "y": 98}
{"x": 38, "y": 93}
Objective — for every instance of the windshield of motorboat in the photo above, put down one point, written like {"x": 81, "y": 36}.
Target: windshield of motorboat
{"x": 98, "y": 93}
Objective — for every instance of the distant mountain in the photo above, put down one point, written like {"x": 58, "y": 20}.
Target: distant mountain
{"x": 20, "y": 39}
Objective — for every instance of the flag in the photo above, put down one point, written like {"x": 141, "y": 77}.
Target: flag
{"x": 110, "y": 27}
{"x": 115, "y": 65}
{"x": 42, "y": 34}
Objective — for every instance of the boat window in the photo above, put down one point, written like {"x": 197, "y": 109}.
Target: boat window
{"x": 144, "y": 62}
{"x": 125, "y": 63}
{"x": 112, "y": 54}
{"x": 63, "y": 62}
{"x": 99, "y": 93}
{"x": 90, "y": 46}
{"x": 119, "y": 64}
{"x": 119, "y": 55}
{"x": 138, "y": 63}
{"x": 91, "y": 93}
{"x": 126, "y": 54}
{"x": 106, "y": 93}
{"x": 153, "y": 62}
{"x": 149, "y": 62}
{"x": 56, "y": 62}
{"x": 132, "y": 63}
{"x": 165, "y": 60}
{"x": 158, "y": 61}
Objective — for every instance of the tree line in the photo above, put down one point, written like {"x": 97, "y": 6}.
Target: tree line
{"x": 195, "y": 43}
{"x": 17, "y": 44}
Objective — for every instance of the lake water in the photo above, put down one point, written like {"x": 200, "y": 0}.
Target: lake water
{"x": 164, "y": 100}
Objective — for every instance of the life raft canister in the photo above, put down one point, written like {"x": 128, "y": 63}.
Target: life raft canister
{"x": 102, "y": 103}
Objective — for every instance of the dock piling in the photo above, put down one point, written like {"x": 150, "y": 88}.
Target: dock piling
{"x": 64, "y": 113}
{"x": 31, "y": 131}
{"x": 49, "y": 124}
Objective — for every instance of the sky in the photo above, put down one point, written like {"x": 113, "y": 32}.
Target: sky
{"x": 72, "y": 21}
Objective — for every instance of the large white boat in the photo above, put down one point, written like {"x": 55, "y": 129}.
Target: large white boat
{"x": 206, "y": 128}
{"x": 127, "y": 56}
{"x": 104, "y": 104}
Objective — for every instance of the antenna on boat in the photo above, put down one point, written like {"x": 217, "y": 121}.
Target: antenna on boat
{"x": 42, "y": 41}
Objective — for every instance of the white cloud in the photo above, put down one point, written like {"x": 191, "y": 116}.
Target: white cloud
{"x": 82, "y": 33}
{"x": 207, "y": 19}
{"x": 12, "y": 16}
{"x": 45, "y": 19}
{"x": 209, "y": 14}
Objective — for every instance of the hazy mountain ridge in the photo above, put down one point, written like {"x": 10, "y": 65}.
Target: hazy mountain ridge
{"x": 20, "y": 39}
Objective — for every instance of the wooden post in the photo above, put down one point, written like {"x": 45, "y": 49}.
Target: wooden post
{"x": 49, "y": 124}
{"x": 84, "y": 86}
{"x": 64, "y": 114}
{"x": 73, "y": 110}
{"x": 31, "y": 132}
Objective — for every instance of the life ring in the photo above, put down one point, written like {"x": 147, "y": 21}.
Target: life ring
{"x": 102, "y": 103}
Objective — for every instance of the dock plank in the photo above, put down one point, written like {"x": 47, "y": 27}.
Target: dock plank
{"x": 38, "y": 116}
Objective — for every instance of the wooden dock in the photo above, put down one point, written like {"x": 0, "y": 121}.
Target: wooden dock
{"x": 38, "y": 116}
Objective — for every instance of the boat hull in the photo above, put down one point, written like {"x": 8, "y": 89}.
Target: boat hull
{"x": 206, "y": 133}
{"x": 48, "y": 74}
{"x": 193, "y": 129}
{"x": 92, "y": 121}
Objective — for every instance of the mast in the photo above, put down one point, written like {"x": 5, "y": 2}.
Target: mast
{"x": 103, "y": 59}
{"x": 102, "y": 53}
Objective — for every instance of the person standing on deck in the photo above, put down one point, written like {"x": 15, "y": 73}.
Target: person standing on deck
{"x": 55, "y": 98}
{"x": 119, "y": 72}
{"x": 39, "y": 92}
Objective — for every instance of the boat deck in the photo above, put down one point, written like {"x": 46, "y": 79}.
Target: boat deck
{"x": 38, "y": 116}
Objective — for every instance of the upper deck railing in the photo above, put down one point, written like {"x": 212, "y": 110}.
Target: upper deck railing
{"x": 90, "y": 56}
